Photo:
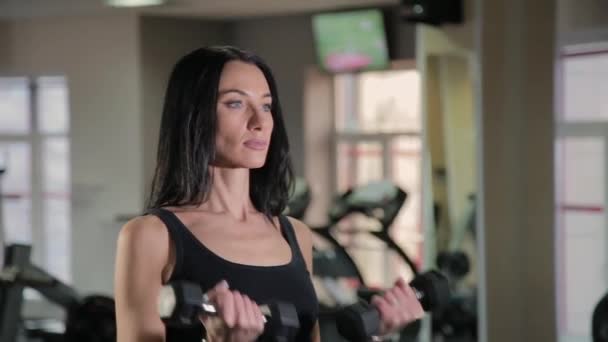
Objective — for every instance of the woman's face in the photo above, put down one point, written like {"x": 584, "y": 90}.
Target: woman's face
{"x": 244, "y": 117}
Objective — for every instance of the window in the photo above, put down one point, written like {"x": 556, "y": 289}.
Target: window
{"x": 378, "y": 136}
{"x": 35, "y": 151}
{"x": 584, "y": 86}
{"x": 581, "y": 155}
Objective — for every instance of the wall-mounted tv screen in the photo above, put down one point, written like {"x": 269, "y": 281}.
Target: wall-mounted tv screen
{"x": 351, "y": 41}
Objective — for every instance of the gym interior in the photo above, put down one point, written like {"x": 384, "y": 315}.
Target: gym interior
{"x": 461, "y": 136}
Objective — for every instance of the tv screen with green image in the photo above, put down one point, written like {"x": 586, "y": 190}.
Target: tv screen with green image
{"x": 351, "y": 41}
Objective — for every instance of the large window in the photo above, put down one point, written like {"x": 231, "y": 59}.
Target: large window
{"x": 581, "y": 164}
{"x": 378, "y": 136}
{"x": 35, "y": 151}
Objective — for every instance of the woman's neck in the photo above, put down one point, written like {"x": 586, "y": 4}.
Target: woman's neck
{"x": 229, "y": 193}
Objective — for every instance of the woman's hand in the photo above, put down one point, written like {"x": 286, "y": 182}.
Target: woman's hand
{"x": 398, "y": 307}
{"x": 238, "y": 320}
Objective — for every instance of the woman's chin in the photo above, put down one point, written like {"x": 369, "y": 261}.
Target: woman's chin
{"x": 245, "y": 163}
{"x": 248, "y": 165}
{"x": 256, "y": 165}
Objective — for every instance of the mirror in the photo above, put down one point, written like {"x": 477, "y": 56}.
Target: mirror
{"x": 451, "y": 143}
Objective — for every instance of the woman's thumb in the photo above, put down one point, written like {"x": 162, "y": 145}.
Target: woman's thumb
{"x": 222, "y": 285}
{"x": 219, "y": 287}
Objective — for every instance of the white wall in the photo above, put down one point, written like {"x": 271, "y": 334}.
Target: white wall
{"x": 98, "y": 55}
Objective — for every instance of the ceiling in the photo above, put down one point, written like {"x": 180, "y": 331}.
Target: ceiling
{"x": 218, "y": 9}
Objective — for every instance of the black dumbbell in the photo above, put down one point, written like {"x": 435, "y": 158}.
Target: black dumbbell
{"x": 181, "y": 303}
{"x": 456, "y": 264}
{"x": 361, "y": 321}
{"x": 93, "y": 320}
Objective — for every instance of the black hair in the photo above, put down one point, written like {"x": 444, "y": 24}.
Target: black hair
{"x": 186, "y": 145}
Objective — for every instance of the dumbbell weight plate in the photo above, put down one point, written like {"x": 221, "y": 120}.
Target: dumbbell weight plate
{"x": 93, "y": 320}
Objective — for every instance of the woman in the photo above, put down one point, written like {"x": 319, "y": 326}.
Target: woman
{"x": 222, "y": 180}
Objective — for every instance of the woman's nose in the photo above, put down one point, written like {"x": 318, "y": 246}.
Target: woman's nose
{"x": 259, "y": 118}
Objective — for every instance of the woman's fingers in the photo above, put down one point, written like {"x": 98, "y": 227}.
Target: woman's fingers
{"x": 241, "y": 317}
{"x": 416, "y": 307}
{"x": 398, "y": 307}
{"x": 386, "y": 313}
{"x": 255, "y": 315}
{"x": 219, "y": 288}
{"x": 226, "y": 309}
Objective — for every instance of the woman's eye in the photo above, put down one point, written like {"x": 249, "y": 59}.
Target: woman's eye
{"x": 234, "y": 104}
{"x": 267, "y": 107}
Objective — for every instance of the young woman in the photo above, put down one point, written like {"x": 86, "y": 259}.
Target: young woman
{"x": 222, "y": 180}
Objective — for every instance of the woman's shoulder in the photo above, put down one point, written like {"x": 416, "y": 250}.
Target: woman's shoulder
{"x": 304, "y": 237}
{"x": 302, "y": 231}
{"x": 147, "y": 230}
{"x": 299, "y": 226}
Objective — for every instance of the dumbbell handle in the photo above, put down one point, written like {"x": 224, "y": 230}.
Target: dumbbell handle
{"x": 182, "y": 303}
{"x": 419, "y": 294}
{"x": 167, "y": 304}
{"x": 367, "y": 293}
{"x": 361, "y": 321}
{"x": 209, "y": 308}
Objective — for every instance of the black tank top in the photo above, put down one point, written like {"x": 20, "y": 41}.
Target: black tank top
{"x": 264, "y": 284}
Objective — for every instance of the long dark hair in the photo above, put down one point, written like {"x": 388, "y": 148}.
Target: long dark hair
{"x": 186, "y": 145}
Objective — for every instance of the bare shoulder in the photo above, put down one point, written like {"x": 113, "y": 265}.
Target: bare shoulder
{"x": 144, "y": 243}
{"x": 304, "y": 236}
{"x": 145, "y": 231}
{"x": 303, "y": 232}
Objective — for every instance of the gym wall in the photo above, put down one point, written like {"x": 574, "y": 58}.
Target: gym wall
{"x": 576, "y": 15}
{"x": 3, "y": 45}
{"x": 98, "y": 55}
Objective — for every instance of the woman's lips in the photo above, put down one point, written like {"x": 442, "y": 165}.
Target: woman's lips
{"x": 256, "y": 144}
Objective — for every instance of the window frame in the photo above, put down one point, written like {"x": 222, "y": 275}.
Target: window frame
{"x": 346, "y": 100}
{"x": 35, "y": 139}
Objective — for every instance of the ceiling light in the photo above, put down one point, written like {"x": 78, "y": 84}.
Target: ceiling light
{"x": 135, "y": 3}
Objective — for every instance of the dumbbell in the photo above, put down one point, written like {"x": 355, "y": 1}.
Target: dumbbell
{"x": 181, "y": 303}
{"x": 92, "y": 320}
{"x": 456, "y": 264}
{"x": 361, "y": 321}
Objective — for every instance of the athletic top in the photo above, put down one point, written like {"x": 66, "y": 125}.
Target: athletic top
{"x": 289, "y": 283}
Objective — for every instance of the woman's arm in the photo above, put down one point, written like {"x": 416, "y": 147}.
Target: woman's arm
{"x": 143, "y": 251}
{"x": 398, "y": 306}
{"x": 304, "y": 236}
